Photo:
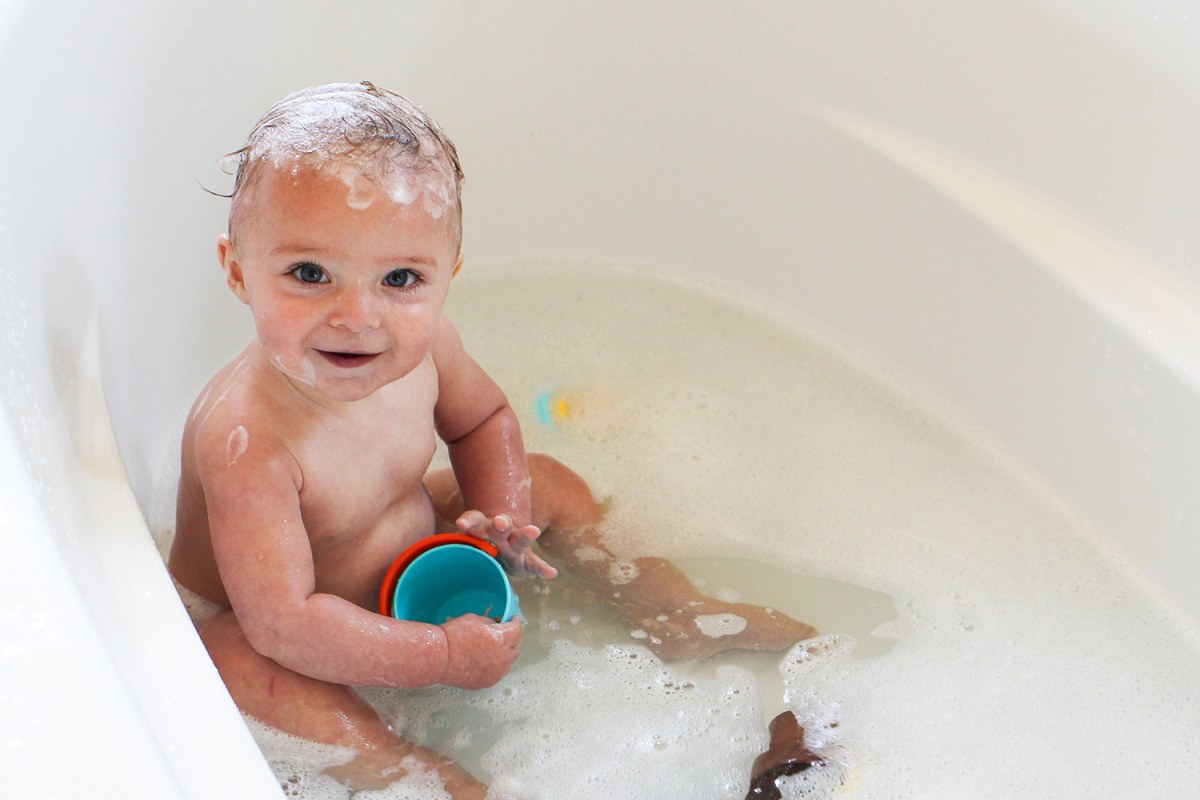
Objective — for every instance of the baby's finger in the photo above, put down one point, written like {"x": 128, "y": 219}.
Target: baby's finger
{"x": 525, "y": 536}
{"x": 535, "y": 564}
{"x": 473, "y": 523}
{"x": 528, "y": 561}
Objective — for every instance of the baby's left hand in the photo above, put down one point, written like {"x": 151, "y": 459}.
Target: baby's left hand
{"x": 514, "y": 543}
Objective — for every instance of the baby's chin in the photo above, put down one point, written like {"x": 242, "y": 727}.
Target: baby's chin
{"x": 299, "y": 370}
{"x": 346, "y": 389}
{"x": 337, "y": 388}
{"x": 327, "y": 379}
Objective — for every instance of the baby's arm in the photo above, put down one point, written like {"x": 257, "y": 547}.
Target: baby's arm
{"x": 482, "y": 434}
{"x": 266, "y": 565}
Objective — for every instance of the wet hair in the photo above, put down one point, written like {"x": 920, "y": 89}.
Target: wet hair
{"x": 373, "y": 132}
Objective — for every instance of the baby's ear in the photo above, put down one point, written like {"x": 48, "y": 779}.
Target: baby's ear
{"x": 457, "y": 265}
{"x": 233, "y": 269}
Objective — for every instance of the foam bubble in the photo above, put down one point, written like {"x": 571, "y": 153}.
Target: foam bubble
{"x": 433, "y": 184}
{"x": 236, "y": 445}
{"x": 417, "y": 783}
{"x": 299, "y": 764}
{"x": 622, "y": 572}
{"x": 809, "y": 672}
{"x": 661, "y": 731}
{"x": 305, "y": 371}
{"x": 589, "y": 553}
{"x": 360, "y": 193}
{"x": 716, "y": 625}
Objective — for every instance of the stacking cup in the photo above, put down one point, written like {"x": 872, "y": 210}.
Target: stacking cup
{"x": 449, "y": 576}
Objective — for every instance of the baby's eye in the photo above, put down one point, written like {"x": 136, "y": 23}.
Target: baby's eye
{"x": 310, "y": 273}
{"x": 400, "y": 278}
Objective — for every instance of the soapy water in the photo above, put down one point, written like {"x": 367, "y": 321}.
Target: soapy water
{"x": 589, "y": 712}
{"x": 978, "y": 639}
{"x": 1010, "y": 648}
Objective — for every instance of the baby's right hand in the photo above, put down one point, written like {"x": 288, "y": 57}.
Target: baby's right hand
{"x": 479, "y": 651}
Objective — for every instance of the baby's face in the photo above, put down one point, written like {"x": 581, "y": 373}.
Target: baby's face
{"x": 346, "y": 284}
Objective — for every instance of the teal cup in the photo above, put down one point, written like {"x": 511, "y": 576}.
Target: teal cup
{"x": 451, "y": 580}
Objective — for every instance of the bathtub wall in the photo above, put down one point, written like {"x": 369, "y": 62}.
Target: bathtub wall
{"x": 991, "y": 205}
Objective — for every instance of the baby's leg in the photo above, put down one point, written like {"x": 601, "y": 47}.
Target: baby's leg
{"x": 649, "y": 593}
{"x": 324, "y": 712}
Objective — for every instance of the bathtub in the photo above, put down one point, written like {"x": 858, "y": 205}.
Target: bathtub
{"x": 991, "y": 205}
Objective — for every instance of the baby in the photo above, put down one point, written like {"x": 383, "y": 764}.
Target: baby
{"x": 304, "y": 460}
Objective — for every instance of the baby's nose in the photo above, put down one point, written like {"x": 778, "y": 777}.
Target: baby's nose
{"x": 356, "y": 311}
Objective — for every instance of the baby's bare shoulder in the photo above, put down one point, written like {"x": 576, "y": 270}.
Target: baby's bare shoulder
{"x": 238, "y": 418}
{"x": 447, "y": 345}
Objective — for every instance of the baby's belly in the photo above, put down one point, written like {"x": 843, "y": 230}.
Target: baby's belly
{"x": 353, "y": 566}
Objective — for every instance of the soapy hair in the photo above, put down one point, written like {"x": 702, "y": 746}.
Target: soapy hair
{"x": 354, "y": 129}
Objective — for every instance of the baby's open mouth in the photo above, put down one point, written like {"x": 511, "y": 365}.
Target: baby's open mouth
{"x": 347, "y": 359}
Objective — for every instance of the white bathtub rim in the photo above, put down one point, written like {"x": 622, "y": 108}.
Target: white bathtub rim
{"x": 1140, "y": 297}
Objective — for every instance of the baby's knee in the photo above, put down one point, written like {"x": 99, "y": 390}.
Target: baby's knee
{"x": 548, "y": 474}
{"x": 548, "y": 470}
{"x": 561, "y": 497}
{"x": 223, "y": 636}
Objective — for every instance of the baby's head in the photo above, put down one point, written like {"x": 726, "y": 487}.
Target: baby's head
{"x": 368, "y": 137}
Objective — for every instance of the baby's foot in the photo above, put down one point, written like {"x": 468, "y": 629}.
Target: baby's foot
{"x": 702, "y": 628}
{"x": 378, "y": 768}
{"x": 786, "y": 755}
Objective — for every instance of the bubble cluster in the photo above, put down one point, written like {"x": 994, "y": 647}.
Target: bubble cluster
{"x": 300, "y": 766}
{"x": 606, "y": 722}
{"x": 373, "y": 140}
{"x": 299, "y": 763}
{"x": 622, "y": 572}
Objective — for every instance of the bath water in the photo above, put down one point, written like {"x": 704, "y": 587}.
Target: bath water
{"x": 979, "y": 639}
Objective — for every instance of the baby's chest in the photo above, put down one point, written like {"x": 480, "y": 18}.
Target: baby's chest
{"x": 359, "y": 471}
{"x": 356, "y": 474}
{"x": 352, "y": 495}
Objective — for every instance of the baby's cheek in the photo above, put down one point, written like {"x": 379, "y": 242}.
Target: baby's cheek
{"x": 279, "y": 326}
{"x": 415, "y": 328}
{"x": 281, "y": 336}
{"x": 273, "y": 342}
